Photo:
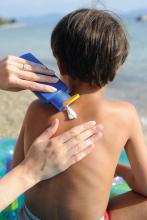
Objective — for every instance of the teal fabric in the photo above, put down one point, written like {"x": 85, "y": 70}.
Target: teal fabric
{"x": 7, "y": 145}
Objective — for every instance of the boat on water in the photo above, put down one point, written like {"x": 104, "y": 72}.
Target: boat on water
{"x": 142, "y": 18}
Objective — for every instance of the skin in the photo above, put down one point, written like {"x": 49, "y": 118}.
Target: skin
{"x": 85, "y": 187}
{"x": 45, "y": 157}
{"x": 131, "y": 205}
{"x": 17, "y": 74}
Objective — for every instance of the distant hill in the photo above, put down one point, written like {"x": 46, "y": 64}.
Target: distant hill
{"x": 55, "y": 17}
{"x": 4, "y": 21}
{"x": 135, "y": 13}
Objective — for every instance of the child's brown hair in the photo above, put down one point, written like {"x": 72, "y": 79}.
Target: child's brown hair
{"x": 91, "y": 44}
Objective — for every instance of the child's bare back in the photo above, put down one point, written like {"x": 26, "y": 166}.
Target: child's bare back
{"x": 89, "y": 46}
{"x": 82, "y": 192}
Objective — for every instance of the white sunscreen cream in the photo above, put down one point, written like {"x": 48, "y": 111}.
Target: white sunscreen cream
{"x": 71, "y": 113}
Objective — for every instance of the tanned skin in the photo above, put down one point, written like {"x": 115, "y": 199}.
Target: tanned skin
{"x": 82, "y": 192}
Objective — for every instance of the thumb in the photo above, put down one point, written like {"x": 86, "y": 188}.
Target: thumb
{"x": 50, "y": 131}
{"x": 53, "y": 128}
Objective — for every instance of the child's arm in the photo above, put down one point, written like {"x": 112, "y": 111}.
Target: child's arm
{"x": 125, "y": 171}
{"x": 137, "y": 154}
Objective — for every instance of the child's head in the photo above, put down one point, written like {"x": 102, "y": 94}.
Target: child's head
{"x": 91, "y": 45}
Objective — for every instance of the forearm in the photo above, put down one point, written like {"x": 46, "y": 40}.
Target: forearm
{"x": 125, "y": 171}
{"x": 14, "y": 184}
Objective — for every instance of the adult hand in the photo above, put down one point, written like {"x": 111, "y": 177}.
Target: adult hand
{"x": 49, "y": 156}
{"x": 18, "y": 74}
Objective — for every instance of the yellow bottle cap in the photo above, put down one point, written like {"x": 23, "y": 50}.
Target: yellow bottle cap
{"x": 71, "y": 100}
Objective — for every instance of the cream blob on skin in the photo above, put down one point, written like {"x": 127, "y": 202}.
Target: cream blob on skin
{"x": 71, "y": 113}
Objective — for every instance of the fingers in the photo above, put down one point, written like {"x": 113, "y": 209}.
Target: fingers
{"x": 86, "y": 148}
{"x": 53, "y": 128}
{"x": 49, "y": 132}
{"x": 83, "y": 136}
{"x": 76, "y": 131}
{"x": 34, "y": 67}
{"x": 27, "y": 80}
{"x": 81, "y": 155}
{"x": 29, "y": 66}
{"x": 33, "y": 86}
{"x": 83, "y": 145}
{"x": 30, "y": 76}
{"x": 15, "y": 58}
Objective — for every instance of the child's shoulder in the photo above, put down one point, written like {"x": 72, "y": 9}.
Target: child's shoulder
{"x": 122, "y": 106}
{"x": 37, "y": 105}
{"x": 37, "y": 108}
{"x": 38, "y": 114}
{"x": 124, "y": 111}
{"x": 42, "y": 113}
{"x": 38, "y": 117}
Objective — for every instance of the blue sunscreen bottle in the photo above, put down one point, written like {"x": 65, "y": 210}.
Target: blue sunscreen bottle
{"x": 57, "y": 98}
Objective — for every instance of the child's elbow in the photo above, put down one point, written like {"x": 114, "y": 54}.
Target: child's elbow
{"x": 140, "y": 187}
{"x": 142, "y": 192}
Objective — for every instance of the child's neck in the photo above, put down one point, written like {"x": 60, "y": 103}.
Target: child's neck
{"x": 85, "y": 89}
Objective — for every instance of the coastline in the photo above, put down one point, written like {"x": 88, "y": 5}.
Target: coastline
{"x": 11, "y": 26}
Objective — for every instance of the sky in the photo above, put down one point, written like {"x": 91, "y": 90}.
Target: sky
{"x": 22, "y": 8}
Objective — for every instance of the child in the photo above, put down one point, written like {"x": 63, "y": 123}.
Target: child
{"x": 90, "y": 46}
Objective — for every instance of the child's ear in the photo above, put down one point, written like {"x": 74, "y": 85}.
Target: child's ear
{"x": 61, "y": 67}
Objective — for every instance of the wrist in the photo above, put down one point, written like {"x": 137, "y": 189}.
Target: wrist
{"x": 29, "y": 176}
{"x": 15, "y": 183}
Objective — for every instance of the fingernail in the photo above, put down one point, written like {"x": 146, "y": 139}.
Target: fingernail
{"x": 92, "y": 122}
{"x": 100, "y": 126}
{"x": 54, "y": 79}
{"x": 92, "y": 146}
{"x": 44, "y": 67}
{"x": 49, "y": 70}
{"x": 52, "y": 71}
{"x": 100, "y": 134}
{"x": 51, "y": 126}
{"x": 52, "y": 89}
{"x": 95, "y": 129}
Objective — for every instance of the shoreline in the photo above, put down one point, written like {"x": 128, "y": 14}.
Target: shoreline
{"x": 13, "y": 26}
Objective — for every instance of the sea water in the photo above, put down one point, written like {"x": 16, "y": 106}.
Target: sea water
{"x": 130, "y": 83}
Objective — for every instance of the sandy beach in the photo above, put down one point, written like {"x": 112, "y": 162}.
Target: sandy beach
{"x": 12, "y": 110}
